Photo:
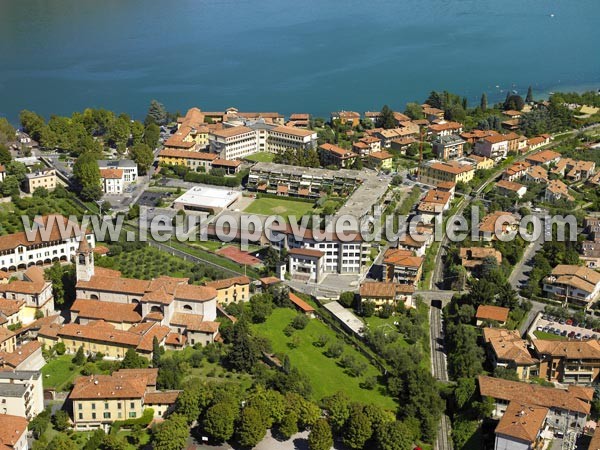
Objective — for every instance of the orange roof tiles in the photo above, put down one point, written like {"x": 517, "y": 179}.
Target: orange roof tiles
{"x": 228, "y": 282}
{"x": 12, "y": 429}
{"x": 111, "y": 174}
{"x": 172, "y": 153}
{"x": 306, "y": 252}
{"x": 521, "y": 421}
{"x": 301, "y": 304}
{"x": 108, "y": 311}
{"x": 491, "y": 312}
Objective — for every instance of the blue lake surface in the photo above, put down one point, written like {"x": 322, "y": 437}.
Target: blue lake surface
{"x": 59, "y": 56}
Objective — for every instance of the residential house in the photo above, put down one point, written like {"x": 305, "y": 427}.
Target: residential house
{"x": 432, "y": 113}
{"x": 479, "y": 162}
{"x": 388, "y": 136}
{"x": 496, "y": 224}
{"x": 380, "y": 160}
{"x": 568, "y": 408}
{"x": 387, "y": 293}
{"x": 516, "y": 171}
{"x": 34, "y": 291}
{"x": 539, "y": 141}
{"x": 43, "y": 178}
{"x": 197, "y": 161}
{"x": 112, "y": 181}
{"x": 7, "y": 340}
{"x": 13, "y": 432}
{"x": 574, "y": 170}
{"x": 21, "y": 393}
{"x": 333, "y": 155}
{"x": 576, "y": 362}
{"x": 522, "y": 427}
{"x": 543, "y": 158}
{"x": 493, "y": 147}
{"x": 27, "y": 356}
{"x": 490, "y": 313}
{"x": 506, "y": 348}
{"x": 434, "y": 172}
{"x": 448, "y": 146}
{"x": 570, "y": 283}
{"x": 473, "y": 257}
{"x": 402, "y": 266}
{"x": 475, "y": 135}
{"x": 537, "y": 174}
{"x": 557, "y": 190}
{"x": 236, "y": 289}
{"x": 129, "y": 168}
{"x": 367, "y": 145}
{"x": 506, "y": 187}
{"x": 99, "y": 400}
{"x": 351, "y": 118}
{"x": 443, "y": 128}
{"x": 307, "y": 264}
{"x": 299, "y": 120}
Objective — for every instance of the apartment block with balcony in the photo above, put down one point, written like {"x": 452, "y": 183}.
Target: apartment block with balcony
{"x": 448, "y": 147}
{"x": 21, "y": 393}
{"x": 573, "y": 284}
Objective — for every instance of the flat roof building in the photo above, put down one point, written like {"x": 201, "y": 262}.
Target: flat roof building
{"x": 208, "y": 199}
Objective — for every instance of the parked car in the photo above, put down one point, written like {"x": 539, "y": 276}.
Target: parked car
{"x": 564, "y": 333}
{"x": 546, "y": 329}
{"x": 571, "y": 334}
{"x": 569, "y": 322}
{"x": 561, "y": 321}
{"x": 578, "y": 336}
{"x": 557, "y": 332}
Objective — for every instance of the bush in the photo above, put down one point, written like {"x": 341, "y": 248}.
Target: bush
{"x": 60, "y": 348}
{"x": 299, "y": 322}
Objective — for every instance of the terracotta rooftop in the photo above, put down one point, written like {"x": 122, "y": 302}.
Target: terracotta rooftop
{"x": 113, "y": 174}
{"x": 11, "y": 430}
{"x": 571, "y": 399}
{"x": 194, "y": 322}
{"x": 568, "y": 349}
{"x": 373, "y": 289}
{"x": 117, "y": 386}
{"x": 161, "y": 398}
{"x": 488, "y": 223}
{"x": 400, "y": 257}
{"x": 543, "y": 156}
{"x": 304, "y": 306}
{"x": 509, "y": 185}
{"x": 227, "y": 282}
{"x": 21, "y": 353}
{"x": 306, "y": 252}
{"x": 9, "y": 307}
{"x": 491, "y": 312}
{"x": 232, "y": 131}
{"x": 172, "y": 153}
{"x": 108, "y": 311}
{"x": 521, "y": 421}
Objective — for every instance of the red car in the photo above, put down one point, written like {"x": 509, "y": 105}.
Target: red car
{"x": 569, "y": 322}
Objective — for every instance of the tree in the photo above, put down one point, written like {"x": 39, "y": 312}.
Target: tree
{"x": 143, "y": 157}
{"x": 157, "y": 114}
{"x": 32, "y": 123}
{"x": 261, "y": 306}
{"x": 79, "y": 358}
{"x": 5, "y": 156}
{"x": 188, "y": 403}
{"x": 320, "y": 437}
{"x": 155, "y": 352}
{"x": 133, "y": 361}
{"x": 7, "y": 131}
{"x": 484, "y": 102}
{"x": 347, "y": 299}
{"x": 87, "y": 177}
{"x": 386, "y": 118}
{"x": 61, "y": 420}
{"x": 39, "y": 424}
{"x": 219, "y": 421}
{"x": 308, "y": 413}
{"x": 529, "y": 97}
{"x": 338, "y": 406}
{"x": 151, "y": 135}
{"x": 395, "y": 436}
{"x": 515, "y": 102}
{"x": 113, "y": 442}
{"x": 95, "y": 440}
{"x": 252, "y": 427}
{"x": 358, "y": 429}
{"x": 60, "y": 348}
{"x": 289, "y": 425}
{"x": 414, "y": 111}
{"x": 245, "y": 352}
{"x": 10, "y": 187}
{"x": 62, "y": 442}
{"x": 172, "y": 434}
{"x": 118, "y": 132}
{"x": 16, "y": 169}
{"x": 435, "y": 100}
{"x": 137, "y": 132}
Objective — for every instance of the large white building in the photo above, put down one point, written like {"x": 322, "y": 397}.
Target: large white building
{"x": 55, "y": 239}
{"x": 21, "y": 393}
{"x": 239, "y": 139}
{"x": 129, "y": 168}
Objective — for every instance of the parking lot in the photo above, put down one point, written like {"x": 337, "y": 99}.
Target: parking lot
{"x": 565, "y": 328}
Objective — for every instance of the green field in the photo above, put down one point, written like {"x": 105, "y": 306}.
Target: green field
{"x": 326, "y": 375}
{"x": 261, "y": 157}
{"x": 549, "y": 336}
{"x": 279, "y": 206}
{"x": 59, "y": 372}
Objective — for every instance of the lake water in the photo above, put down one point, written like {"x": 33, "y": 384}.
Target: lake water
{"x": 58, "y": 56}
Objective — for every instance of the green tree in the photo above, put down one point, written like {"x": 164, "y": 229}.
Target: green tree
{"x": 113, "y": 442}
{"x": 529, "y": 98}
{"x": 386, "y": 118}
{"x": 155, "y": 352}
{"x": 62, "y": 442}
{"x": 347, "y": 299}
{"x": 219, "y": 421}
{"x": 79, "y": 357}
{"x": 157, "y": 114}
{"x": 188, "y": 403}
{"x": 261, "y": 306}
{"x": 5, "y": 156}
{"x": 10, "y": 187}
{"x": 61, "y": 420}
{"x": 395, "y": 436}
{"x": 515, "y": 102}
{"x": 245, "y": 352}
{"x": 320, "y": 437}
{"x": 143, "y": 157}
{"x": 7, "y": 131}
{"x": 95, "y": 440}
{"x": 87, "y": 177}
{"x": 133, "y": 361}
{"x": 151, "y": 135}
{"x": 308, "y": 413}
{"x": 118, "y": 132}
{"x": 252, "y": 427}
{"x": 338, "y": 406}
{"x": 32, "y": 123}
{"x": 483, "y": 104}
{"x": 39, "y": 424}
{"x": 16, "y": 169}
{"x": 172, "y": 434}
{"x": 289, "y": 425}
{"x": 137, "y": 132}
{"x": 358, "y": 429}
{"x": 414, "y": 111}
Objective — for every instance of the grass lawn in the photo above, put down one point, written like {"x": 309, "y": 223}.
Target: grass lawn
{"x": 279, "y": 206}
{"x": 326, "y": 375}
{"x": 549, "y": 336}
{"x": 59, "y": 372}
{"x": 261, "y": 157}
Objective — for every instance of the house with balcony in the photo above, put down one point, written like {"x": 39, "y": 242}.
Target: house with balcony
{"x": 573, "y": 284}
{"x": 448, "y": 147}
{"x": 21, "y": 393}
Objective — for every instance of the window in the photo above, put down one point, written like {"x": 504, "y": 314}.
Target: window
{"x": 93, "y": 406}
{"x": 79, "y": 405}
{"x": 120, "y": 415}
{"x": 105, "y": 405}
{"x": 107, "y": 415}
{"x": 132, "y": 415}
{"x": 93, "y": 415}
{"x": 132, "y": 405}
{"x": 119, "y": 405}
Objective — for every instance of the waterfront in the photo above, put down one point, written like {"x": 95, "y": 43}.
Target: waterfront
{"x": 313, "y": 56}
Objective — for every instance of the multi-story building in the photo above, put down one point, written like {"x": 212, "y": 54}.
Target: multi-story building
{"x": 568, "y": 408}
{"x": 35, "y": 293}
{"x": 7, "y": 340}
{"x": 537, "y": 174}
{"x": 402, "y": 266}
{"x": 506, "y": 187}
{"x": 380, "y": 160}
{"x": 306, "y": 264}
{"x": 543, "y": 158}
{"x": 385, "y": 293}
{"x": 491, "y": 313}
{"x": 493, "y": 147}
{"x": 435, "y": 172}
{"x": 575, "y": 362}
{"x": 13, "y": 432}
{"x": 557, "y": 190}
{"x": 498, "y": 224}
{"x": 516, "y": 171}
{"x": 231, "y": 290}
{"x": 351, "y": 118}
{"x": 522, "y": 427}
{"x": 448, "y": 146}
{"x": 99, "y": 400}
{"x": 473, "y": 257}
{"x": 506, "y": 349}
{"x": 21, "y": 393}
{"x": 570, "y": 283}
{"x": 332, "y": 155}
{"x": 129, "y": 168}
{"x": 43, "y": 178}
{"x": 112, "y": 181}
{"x": 442, "y": 128}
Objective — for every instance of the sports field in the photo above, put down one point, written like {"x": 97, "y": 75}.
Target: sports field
{"x": 279, "y": 206}
{"x": 260, "y": 157}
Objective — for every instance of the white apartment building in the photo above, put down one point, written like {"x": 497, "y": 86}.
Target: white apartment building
{"x": 112, "y": 181}
{"x": 493, "y": 147}
{"x": 21, "y": 393}
{"x": 240, "y": 139}
{"x": 129, "y": 168}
